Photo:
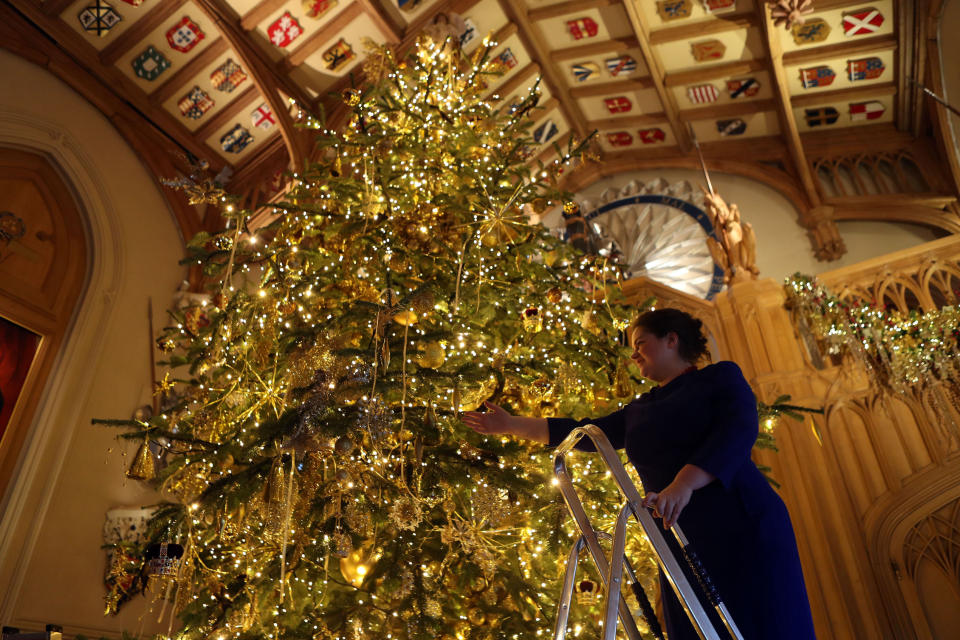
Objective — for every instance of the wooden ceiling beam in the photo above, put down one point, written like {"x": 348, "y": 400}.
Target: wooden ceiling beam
{"x": 658, "y": 158}
{"x": 246, "y": 99}
{"x": 642, "y": 32}
{"x": 263, "y": 76}
{"x": 756, "y": 149}
{"x": 258, "y": 13}
{"x": 781, "y": 92}
{"x": 178, "y": 81}
{"x": 139, "y": 30}
{"x": 564, "y": 8}
{"x": 851, "y": 48}
{"x": 845, "y": 95}
{"x": 56, "y": 7}
{"x": 384, "y": 20}
{"x": 519, "y": 79}
{"x": 606, "y": 88}
{"x": 320, "y": 37}
{"x": 619, "y": 45}
{"x": 871, "y": 138}
{"x": 735, "y": 68}
{"x": 533, "y": 41}
{"x": 818, "y": 219}
{"x": 541, "y": 110}
{"x": 640, "y": 120}
{"x": 883, "y": 210}
{"x": 730, "y": 109}
{"x": 704, "y": 28}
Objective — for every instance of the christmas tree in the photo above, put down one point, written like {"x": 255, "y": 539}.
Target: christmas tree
{"x": 317, "y": 481}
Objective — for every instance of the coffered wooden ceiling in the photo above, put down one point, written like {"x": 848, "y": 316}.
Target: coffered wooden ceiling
{"x": 226, "y": 80}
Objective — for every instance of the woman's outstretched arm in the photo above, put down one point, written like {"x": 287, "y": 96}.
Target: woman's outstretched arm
{"x": 497, "y": 420}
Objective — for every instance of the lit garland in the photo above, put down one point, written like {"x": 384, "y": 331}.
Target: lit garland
{"x": 899, "y": 349}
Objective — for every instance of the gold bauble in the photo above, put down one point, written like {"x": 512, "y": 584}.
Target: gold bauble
{"x": 344, "y": 479}
{"x": 351, "y": 97}
{"x": 432, "y": 356}
{"x": 555, "y": 295}
{"x": 343, "y": 446}
{"x": 476, "y": 616}
{"x": 143, "y": 467}
{"x": 570, "y": 208}
{"x": 406, "y": 317}
{"x": 358, "y": 563}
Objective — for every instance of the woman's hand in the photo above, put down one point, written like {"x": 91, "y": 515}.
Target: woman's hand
{"x": 670, "y": 502}
{"x": 496, "y": 421}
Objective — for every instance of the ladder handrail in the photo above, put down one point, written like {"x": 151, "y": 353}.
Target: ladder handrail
{"x": 633, "y": 503}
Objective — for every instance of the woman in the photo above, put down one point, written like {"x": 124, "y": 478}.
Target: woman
{"x": 690, "y": 440}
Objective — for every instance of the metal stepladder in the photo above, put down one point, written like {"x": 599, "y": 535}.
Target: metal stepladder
{"x": 611, "y": 570}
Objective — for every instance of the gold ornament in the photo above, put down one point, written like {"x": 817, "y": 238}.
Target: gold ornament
{"x": 143, "y": 467}
{"x": 555, "y": 295}
{"x": 476, "y": 616}
{"x": 406, "y": 513}
{"x": 340, "y": 546}
{"x": 273, "y": 488}
{"x": 405, "y": 317}
{"x": 532, "y": 319}
{"x": 570, "y": 208}
{"x": 351, "y": 97}
{"x": 432, "y": 356}
{"x": 343, "y": 446}
{"x": 165, "y": 344}
{"x": 358, "y": 563}
{"x": 588, "y": 591}
{"x": 539, "y": 205}
{"x": 344, "y": 479}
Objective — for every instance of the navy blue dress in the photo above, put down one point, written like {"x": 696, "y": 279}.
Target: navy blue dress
{"x": 737, "y": 524}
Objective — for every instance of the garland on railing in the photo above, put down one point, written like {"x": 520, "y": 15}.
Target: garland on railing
{"x": 900, "y": 350}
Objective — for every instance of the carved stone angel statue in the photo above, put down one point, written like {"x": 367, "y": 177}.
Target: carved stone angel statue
{"x": 735, "y": 247}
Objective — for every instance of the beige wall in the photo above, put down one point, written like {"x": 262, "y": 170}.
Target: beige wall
{"x": 783, "y": 247}
{"x": 51, "y": 521}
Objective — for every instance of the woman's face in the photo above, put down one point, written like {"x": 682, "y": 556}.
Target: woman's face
{"x": 653, "y": 354}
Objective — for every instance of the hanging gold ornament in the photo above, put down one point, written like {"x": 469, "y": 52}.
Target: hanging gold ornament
{"x": 351, "y": 97}
{"x": 343, "y": 446}
{"x": 432, "y": 356}
{"x": 273, "y": 488}
{"x": 358, "y": 563}
{"x": 588, "y": 591}
{"x": 476, "y": 616}
{"x": 405, "y": 317}
{"x": 340, "y": 546}
{"x": 143, "y": 467}
{"x": 532, "y": 320}
{"x": 406, "y": 513}
{"x": 344, "y": 479}
{"x": 555, "y": 295}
